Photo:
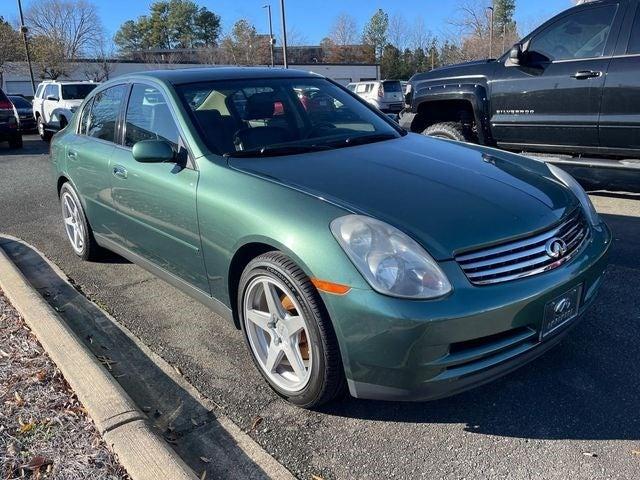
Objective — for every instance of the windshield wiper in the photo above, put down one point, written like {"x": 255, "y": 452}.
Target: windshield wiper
{"x": 362, "y": 139}
{"x": 277, "y": 151}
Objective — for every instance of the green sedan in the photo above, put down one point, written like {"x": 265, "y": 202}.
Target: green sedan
{"x": 354, "y": 256}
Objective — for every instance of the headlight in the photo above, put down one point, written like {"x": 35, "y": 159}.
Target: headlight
{"x": 579, "y": 192}
{"x": 389, "y": 260}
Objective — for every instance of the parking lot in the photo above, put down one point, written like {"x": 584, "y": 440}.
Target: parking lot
{"x": 571, "y": 414}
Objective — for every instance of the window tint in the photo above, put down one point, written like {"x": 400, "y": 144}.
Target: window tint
{"x": 634, "y": 41}
{"x": 149, "y": 117}
{"x": 393, "y": 86}
{"x": 77, "y": 91}
{"x": 582, "y": 34}
{"x": 104, "y": 113}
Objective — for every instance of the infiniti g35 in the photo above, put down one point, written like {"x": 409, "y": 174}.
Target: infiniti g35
{"x": 351, "y": 254}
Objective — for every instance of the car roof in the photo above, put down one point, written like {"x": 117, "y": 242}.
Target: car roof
{"x": 195, "y": 75}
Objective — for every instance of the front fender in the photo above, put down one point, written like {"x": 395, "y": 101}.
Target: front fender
{"x": 428, "y": 93}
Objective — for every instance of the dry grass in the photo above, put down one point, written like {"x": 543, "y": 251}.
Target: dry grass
{"x": 44, "y": 431}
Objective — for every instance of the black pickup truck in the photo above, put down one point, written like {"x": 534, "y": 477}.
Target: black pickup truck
{"x": 571, "y": 88}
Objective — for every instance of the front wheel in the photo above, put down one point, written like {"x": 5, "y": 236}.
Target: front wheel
{"x": 288, "y": 332}
{"x": 450, "y": 131}
{"x": 44, "y": 134}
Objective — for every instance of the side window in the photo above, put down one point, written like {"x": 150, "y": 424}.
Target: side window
{"x": 104, "y": 113}
{"x": 361, "y": 88}
{"x": 582, "y": 34}
{"x": 51, "y": 90}
{"x": 84, "y": 119}
{"x": 634, "y": 41}
{"x": 39, "y": 91}
{"x": 149, "y": 117}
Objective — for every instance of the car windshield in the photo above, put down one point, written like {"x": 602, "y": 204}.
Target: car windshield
{"x": 20, "y": 102}
{"x": 285, "y": 116}
{"x": 77, "y": 91}
{"x": 392, "y": 86}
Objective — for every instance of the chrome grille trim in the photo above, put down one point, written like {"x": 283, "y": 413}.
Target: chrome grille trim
{"x": 523, "y": 258}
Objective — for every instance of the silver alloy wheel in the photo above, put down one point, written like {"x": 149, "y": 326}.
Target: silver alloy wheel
{"x": 73, "y": 222}
{"x": 277, "y": 333}
{"x": 40, "y": 127}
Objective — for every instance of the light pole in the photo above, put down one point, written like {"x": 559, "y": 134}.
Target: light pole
{"x": 284, "y": 35}
{"x": 268, "y": 7}
{"x": 23, "y": 30}
{"x": 490, "y": 31}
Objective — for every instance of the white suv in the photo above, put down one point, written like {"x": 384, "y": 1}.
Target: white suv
{"x": 386, "y": 95}
{"x": 54, "y": 104}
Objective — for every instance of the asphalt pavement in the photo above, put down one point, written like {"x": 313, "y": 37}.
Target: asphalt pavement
{"x": 573, "y": 413}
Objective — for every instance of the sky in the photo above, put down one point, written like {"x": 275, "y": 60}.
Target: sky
{"x": 312, "y": 19}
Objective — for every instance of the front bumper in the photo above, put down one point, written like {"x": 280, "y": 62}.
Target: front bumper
{"x": 395, "y": 349}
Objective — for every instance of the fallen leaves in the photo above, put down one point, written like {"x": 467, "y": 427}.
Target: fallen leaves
{"x": 36, "y": 463}
{"x": 256, "y": 421}
{"x": 26, "y": 427}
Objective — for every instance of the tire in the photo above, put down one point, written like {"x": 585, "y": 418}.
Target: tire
{"x": 44, "y": 134}
{"x": 87, "y": 249}
{"x": 299, "y": 299}
{"x": 63, "y": 122}
{"x": 450, "y": 130}
{"x": 16, "y": 142}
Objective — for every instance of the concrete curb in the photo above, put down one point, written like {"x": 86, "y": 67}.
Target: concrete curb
{"x": 142, "y": 452}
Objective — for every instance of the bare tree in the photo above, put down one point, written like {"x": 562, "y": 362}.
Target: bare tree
{"x": 11, "y": 47}
{"x": 102, "y": 68}
{"x": 72, "y": 24}
{"x": 398, "y": 31}
{"x": 344, "y": 30}
{"x": 419, "y": 35}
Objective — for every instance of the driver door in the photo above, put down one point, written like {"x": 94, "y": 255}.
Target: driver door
{"x": 551, "y": 100}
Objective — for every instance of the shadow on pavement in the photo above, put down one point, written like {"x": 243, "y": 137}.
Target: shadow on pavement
{"x": 586, "y": 388}
{"x": 190, "y": 427}
{"x": 33, "y": 145}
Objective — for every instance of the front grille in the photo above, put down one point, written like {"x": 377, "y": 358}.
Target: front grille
{"x": 526, "y": 257}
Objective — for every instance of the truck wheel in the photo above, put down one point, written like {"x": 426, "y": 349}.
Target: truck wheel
{"x": 44, "y": 135}
{"x": 16, "y": 142}
{"x": 450, "y": 131}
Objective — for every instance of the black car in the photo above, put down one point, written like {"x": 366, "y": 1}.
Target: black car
{"x": 24, "y": 108}
{"x": 570, "y": 88}
{"x": 9, "y": 131}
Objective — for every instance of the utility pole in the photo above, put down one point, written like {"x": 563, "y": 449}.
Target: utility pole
{"x": 23, "y": 30}
{"x": 271, "y": 39}
{"x": 284, "y": 35}
{"x": 491, "y": 9}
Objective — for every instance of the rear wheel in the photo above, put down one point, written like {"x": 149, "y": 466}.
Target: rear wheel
{"x": 288, "y": 332}
{"x": 451, "y": 131}
{"x": 16, "y": 142}
{"x": 44, "y": 134}
{"x": 76, "y": 225}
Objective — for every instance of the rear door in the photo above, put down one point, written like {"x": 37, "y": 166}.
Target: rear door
{"x": 552, "y": 99}
{"x": 88, "y": 153}
{"x": 156, "y": 202}
{"x": 50, "y": 100}
{"x": 620, "y": 113}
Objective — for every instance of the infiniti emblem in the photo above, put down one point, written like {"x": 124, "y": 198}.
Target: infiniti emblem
{"x": 556, "y": 247}
{"x": 562, "y": 306}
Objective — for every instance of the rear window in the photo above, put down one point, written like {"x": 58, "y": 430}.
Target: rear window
{"x": 20, "y": 102}
{"x": 392, "y": 86}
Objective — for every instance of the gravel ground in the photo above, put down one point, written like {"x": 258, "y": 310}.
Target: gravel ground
{"x": 44, "y": 430}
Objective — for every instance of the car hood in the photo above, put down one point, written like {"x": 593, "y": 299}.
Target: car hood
{"x": 448, "y": 196}
{"x": 69, "y": 104}
{"x": 477, "y": 68}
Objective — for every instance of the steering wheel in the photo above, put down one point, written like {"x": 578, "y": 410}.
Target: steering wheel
{"x": 318, "y": 127}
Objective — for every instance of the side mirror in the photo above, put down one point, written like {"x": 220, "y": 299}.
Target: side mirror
{"x": 153, "y": 151}
{"x": 515, "y": 54}
{"x": 52, "y": 97}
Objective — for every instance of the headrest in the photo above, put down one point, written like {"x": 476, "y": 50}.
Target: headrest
{"x": 260, "y": 106}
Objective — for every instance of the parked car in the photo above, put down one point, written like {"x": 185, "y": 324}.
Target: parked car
{"x": 572, "y": 86}
{"x": 385, "y": 95}
{"x": 24, "y": 111}
{"x": 9, "y": 131}
{"x": 55, "y": 102}
{"x": 350, "y": 253}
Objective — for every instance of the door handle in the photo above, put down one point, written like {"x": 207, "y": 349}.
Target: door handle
{"x": 72, "y": 154}
{"x": 584, "y": 74}
{"x": 119, "y": 171}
